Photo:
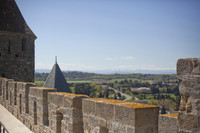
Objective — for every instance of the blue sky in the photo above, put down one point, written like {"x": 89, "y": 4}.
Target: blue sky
{"x": 117, "y": 35}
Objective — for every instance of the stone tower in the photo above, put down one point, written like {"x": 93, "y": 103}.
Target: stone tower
{"x": 16, "y": 44}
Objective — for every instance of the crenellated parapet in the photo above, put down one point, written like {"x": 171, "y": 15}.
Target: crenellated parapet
{"x": 168, "y": 123}
{"x": 38, "y": 108}
{"x": 43, "y": 110}
{"x": 106, "y": 116}
{"x": 65, "y": 112}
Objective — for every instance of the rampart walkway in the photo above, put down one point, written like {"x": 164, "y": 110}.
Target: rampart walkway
{"x": 12, "y": 124}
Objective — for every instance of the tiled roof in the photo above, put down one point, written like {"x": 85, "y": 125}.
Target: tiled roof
{"x": 11, "y": 18}
{"x": 57, "y": 80}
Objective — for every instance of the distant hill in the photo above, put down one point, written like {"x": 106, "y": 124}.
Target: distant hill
{"x": 117, "y": 72}
{"x": 75, "y": 75}
{"x": 42, "y": 70}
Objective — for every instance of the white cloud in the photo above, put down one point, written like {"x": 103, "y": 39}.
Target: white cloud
{"x": 82, "y": 67}
{"x": 69, "y": 67}
{"x": 121, "y": 58}
{"x": 128, "y": 58}
{"x": 141, "y": 67}
{"x": 109, "y": 59}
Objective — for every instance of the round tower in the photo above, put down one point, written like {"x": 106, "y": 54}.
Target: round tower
{"x": 16, "y": 44}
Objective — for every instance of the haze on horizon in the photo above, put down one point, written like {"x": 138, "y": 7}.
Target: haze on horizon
{"x": 113, "y": 35}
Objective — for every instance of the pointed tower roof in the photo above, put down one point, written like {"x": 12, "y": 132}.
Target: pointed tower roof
{"x": 11, "y": 18}
{"x": 57, "y": 80}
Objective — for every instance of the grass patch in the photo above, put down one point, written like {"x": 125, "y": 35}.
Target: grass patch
{"x": 39, "y": 83}
{"x": 72, "y": 89}
{"x": 120, "y": 79}
{"x": 80, "y": 81}
{"x": 151, "y": 96}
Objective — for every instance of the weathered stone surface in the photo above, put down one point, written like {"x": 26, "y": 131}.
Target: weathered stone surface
{"x": 104, "y": 110}
{"x": 190, "y": 66}
{"x": 188, "y": 121}
{"x": 118, "y": 116}
{"x": 146, "y": 120}
{"x": 69, "y": 108}
{"x": 17, "y": 44}
{"x": 125, "y": 115}
{"x": 89, "y": 106}
{"x": 188, "y": 71}
{"x": 168, "y": 124}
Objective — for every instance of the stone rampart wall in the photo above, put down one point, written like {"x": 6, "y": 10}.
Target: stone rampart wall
{"x": 110, "y": 116}
{"x": 43, "y": 110}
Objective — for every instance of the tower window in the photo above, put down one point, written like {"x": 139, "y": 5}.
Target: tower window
{"x": 9, "y": 47}
{"x": 23, "y": 44}
{"x": 16, "y": 55}
{"x": 3, "y": 75}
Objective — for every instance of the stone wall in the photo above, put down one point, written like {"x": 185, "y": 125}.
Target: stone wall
{"x": 17, "y": 56}
{"x": 112, "y": 116}
{"x": 188, "y": 71}
{"x": 168, "y": 123}
{"x": 45, "y": 111}
{"x": 65, "y": 112}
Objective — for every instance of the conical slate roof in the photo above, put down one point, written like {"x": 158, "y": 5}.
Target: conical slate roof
{"x": 11, "y": 18}
{"x": 57, "y": 80}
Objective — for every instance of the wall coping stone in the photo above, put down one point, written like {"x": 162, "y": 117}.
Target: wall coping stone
{"x": 123, "y": 103}
{"x": 171, "y": 115}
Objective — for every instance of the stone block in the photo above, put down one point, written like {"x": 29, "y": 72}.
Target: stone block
{"x": 56, "y": 99}
{"x": 93, "y": 120}
{"x": 188, "y": 121}
{"x": 146, "y": 120}
{"x": 40, "y": 92}
{"x": 130, "y": 130}
{"x": 102, "y": 122}
{"x": 168, "y": 123}
{"x": 104, "y": 110}
{"x": 77, "y": 115}
{"x": 188, "y": 66}
{"x": 125, "y": 115}
{"x": 89, "y": 106}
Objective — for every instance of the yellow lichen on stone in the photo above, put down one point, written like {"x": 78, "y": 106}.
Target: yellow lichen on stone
{"x": 171, "y": 115}
{"x": 68, "y": 94}
{"x": 123, "y": 103}
{"x": 43, "y": 88}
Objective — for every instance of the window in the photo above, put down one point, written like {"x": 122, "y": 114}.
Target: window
{"x": 20, "y": 103}
{"x": 35, "y": 112}
{"x": 15, "y": 96}
{"x": 23, "y": 44}
{"x": 10, "y": 98}
{"x": 9, "y": 47}
{"x": 59, "y": 118}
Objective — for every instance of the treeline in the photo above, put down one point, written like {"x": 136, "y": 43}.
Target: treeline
{"x": 93, "y": 90}
{"x": 75, "y": 75}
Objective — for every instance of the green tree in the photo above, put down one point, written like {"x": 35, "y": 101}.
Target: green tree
{"x": 100, "y": 95}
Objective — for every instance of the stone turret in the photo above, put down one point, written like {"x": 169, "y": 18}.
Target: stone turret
{"x": 16, "y": 44}
{"x": 57, "y": 80}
